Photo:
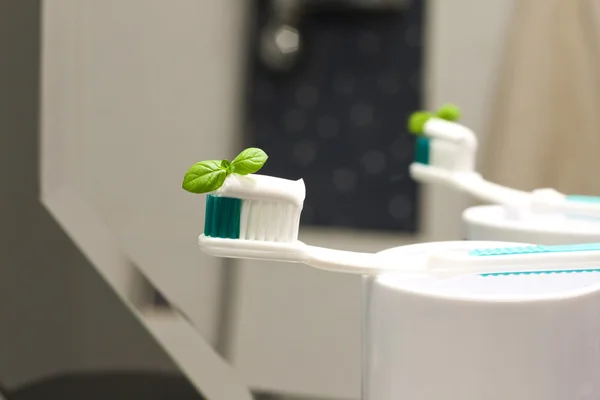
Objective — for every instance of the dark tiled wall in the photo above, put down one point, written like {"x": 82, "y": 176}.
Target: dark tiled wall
{"x": 338, "y": 118}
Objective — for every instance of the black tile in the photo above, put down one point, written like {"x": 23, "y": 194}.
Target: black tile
{"x": 338, "y": 118}
{"x": 110, "y": 385}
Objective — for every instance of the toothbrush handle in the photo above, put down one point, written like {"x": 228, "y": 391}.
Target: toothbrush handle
{"x": 343, "y": 261}
{"x": 296, "y": 252}
{"x": 544, "y": 199}
{"x": 490, "y": 192}
{"x": 588, "y": 206}
{"x": 253, "y": 249}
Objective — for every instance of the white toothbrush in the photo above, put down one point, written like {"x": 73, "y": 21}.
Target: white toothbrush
{"x": 443, "y": 264}
{"x": 445, "y": 154}
{"x": 257, "y": 217}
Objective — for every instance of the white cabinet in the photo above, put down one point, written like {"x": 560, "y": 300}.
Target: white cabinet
{"x": 134, "y": 92}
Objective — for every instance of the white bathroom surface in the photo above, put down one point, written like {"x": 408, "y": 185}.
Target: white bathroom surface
{"x": 514, "y": 287}
{"x": 517, "y": 337}
{"x": 498, "y": 216}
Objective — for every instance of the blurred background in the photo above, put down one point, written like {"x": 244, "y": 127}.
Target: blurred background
{"x": 105, "y": 104}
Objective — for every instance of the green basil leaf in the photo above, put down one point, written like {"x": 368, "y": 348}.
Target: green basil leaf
{"x": 417, "y": 121}
{"x": 205, "y": 176}
{"x": 226, "y": 165}
{"x": 249, "y": 161}
{"x": 449, "y": 112}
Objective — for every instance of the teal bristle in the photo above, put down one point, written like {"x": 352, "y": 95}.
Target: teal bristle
{"x": 222, "y": 217}
{"x": 422, "y": 150}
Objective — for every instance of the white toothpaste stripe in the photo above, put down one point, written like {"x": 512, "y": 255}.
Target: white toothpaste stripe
{"x": 273, "y": 221}
{"x": 263, "y": 188}
{"x": 260, "y": 226}
{"x": 283, "y": 223}
{"x": 296, "y": 222}
{"x": 244, "y": 218}
{"x": 269, "y": 221}
{"x": 291, "y": 220}
{"x": 253, "y": 220}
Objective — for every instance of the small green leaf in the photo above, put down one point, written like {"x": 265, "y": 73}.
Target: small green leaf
{"x": 449, "y": 112}
{"x": 226, "y": 165}
{"x": 204, "y": 177}
{"x": 249, "y": 161}
{"x": 417, "y": 121}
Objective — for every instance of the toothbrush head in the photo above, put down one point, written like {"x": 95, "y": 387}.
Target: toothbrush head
{"x": 442, "y": 146}
{"x": 418, "y": 119}
{"x": 255, "y": 207}
{"x": 422, "y": 150}
{"x": 208, "y": 176}
{"x": 243, "y": 205}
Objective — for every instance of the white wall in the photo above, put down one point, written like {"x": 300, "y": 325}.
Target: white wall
{"x": 466, "y": 41}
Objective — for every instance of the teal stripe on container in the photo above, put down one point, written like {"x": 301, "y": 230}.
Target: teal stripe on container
{"x": 509, "y": 251}
{"x": 422, "y": 150}
{"x": 564, "y": 271}
{"x": 537, "y": 249}
{"x": 222, "y": 218}
{"x": 583, "y": 199}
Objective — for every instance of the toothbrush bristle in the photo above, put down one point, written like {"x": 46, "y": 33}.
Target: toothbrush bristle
{"x": 222, "y": 217}
{"x": 422, "y": 150}
{"x": 436, "y": 152}
{"x": 443, "y": 154}
{"x": 231, "y": 218}
{"x": 270, "y": 221}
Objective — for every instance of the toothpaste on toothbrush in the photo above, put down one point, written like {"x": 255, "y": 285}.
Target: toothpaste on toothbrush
{"x": 445, "y": 154}
{"x": 257, "y": 217}
{"x": 244, "y": 205}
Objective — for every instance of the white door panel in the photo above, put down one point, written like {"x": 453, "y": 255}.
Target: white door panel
{"x": 133, "y": 93}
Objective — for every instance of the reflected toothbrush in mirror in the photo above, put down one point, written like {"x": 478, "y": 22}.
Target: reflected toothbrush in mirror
{"x": 445, "y": 154}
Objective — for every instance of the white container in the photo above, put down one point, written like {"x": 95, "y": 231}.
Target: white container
{"x": 523, "y": 337}
{"x": 496, "y": 223}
